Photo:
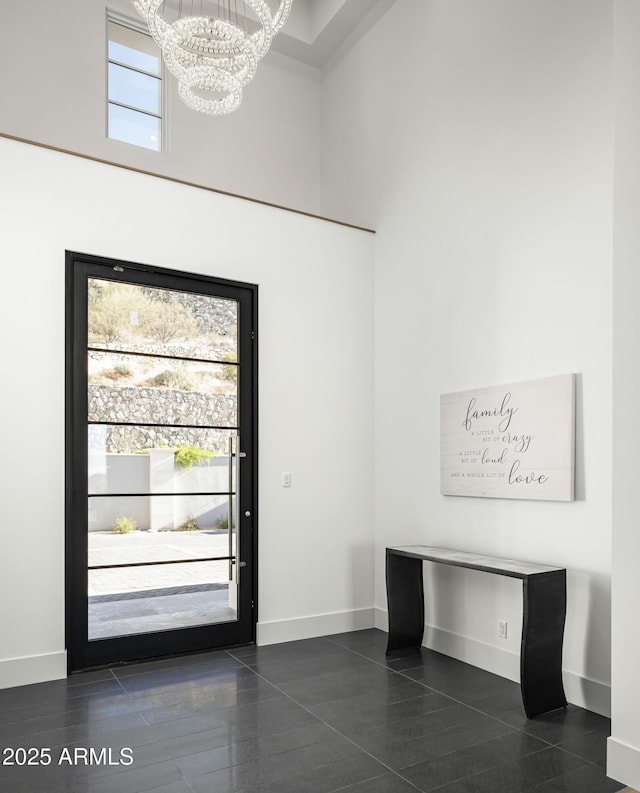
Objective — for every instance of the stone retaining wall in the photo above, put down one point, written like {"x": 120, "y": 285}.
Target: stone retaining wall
{"x": 213, "y": 315}
{"x": 161, "y": 405}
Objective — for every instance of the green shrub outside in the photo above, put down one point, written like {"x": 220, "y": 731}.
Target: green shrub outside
{"x": 186, "y": 456}
{"x": 190, "y": 524}
{"x": 124, "y": 525}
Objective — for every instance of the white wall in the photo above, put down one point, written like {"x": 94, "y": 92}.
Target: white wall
{"x": 316, "y": 378}
{"x": 477, "y": 139}
{"x": 623, "y": 759}
{"x": 53, "y": 82}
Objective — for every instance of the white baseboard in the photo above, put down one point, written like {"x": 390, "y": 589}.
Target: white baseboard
{"x": 33, "y": 669}
{"x": 587, "y": 693}
{"x": 316, "y": 625}
{"x": 581, "y": 691}
{"x": 623, "y": 763}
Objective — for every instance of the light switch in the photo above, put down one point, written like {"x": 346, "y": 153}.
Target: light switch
{"x": 286, "y": 479}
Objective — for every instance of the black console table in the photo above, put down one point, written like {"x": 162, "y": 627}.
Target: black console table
{"x": 544, "y": 606}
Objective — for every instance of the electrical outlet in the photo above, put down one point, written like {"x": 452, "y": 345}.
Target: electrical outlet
{"x": 502, "y": 629}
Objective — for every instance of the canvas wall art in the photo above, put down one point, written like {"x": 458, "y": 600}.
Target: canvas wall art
{"x": 510, "y": 441}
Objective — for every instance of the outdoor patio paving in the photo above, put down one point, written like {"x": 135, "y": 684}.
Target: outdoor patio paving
{"x": 129, "y": 600}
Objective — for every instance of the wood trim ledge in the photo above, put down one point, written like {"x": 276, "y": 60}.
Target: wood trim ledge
{"x": 174, "y": 179}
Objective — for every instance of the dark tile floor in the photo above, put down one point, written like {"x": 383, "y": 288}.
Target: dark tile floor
{"x": 321, "y": 715}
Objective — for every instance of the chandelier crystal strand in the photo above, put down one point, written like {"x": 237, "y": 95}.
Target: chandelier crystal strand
{"x": 212, "y": 57}
{"x": 281, "y": 15}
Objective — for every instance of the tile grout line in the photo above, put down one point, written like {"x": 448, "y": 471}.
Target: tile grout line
{"x": 336, "y": 731}
{"x": 239, "y": 663}
{"x": 384, "y": 666}
{"x": 362, "y": 749}
{"x": 244, "y": 665}
{"x": 129, "y": 699}
{"x": 477, "y": 710}
{"x": 471, "y": 707}
{"x": 150, "y": 726}
{"x": 453, "y": 699}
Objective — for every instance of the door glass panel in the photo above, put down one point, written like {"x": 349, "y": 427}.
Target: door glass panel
{"x": 162, "y": 371}
{"x": 142, "y": 516}
{"x": 143, "y": 389}
{"x": 136, "y": 600}
{"x": 140, "y": 459}
{"x": 145, "y": 319}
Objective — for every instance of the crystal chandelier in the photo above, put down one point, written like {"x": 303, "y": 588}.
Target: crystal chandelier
{"x": 213, "y": 51}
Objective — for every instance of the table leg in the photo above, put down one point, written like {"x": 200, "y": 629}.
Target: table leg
{"x": 544, "y": 610}
{"x": 405, "y": 601}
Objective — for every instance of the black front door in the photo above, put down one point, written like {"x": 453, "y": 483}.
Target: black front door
{"x": 161, "y": 462}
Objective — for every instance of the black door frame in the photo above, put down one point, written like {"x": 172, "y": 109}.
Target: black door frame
{"x": 82, "y": 653}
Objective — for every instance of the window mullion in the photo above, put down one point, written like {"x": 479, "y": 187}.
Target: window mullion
{"x": 134, "y": 108}
{"x": 128, "y": 120}
{"x": 135, "y": 69}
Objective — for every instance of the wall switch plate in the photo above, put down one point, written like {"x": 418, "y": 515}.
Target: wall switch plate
{"x": 502, "y": 629}
{"x": 286, "y": 479}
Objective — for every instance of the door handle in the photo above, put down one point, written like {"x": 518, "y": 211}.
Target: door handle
{"x": 230, "y": 508}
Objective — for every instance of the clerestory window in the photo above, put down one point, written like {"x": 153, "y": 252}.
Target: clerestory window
{"x": 135, "y": 90}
